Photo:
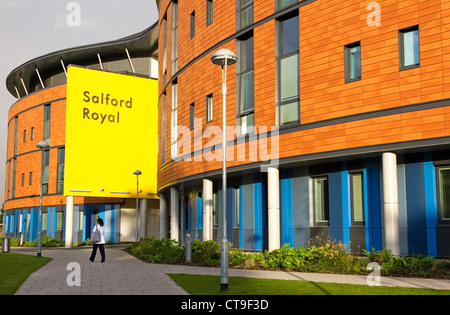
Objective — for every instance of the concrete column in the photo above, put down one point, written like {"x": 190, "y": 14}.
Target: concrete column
{"x": 174, "y": 210}
{"x": 273, "y": 191}
{"x": 208, "y": 206}
{"x": 163, "y": 231}
{"x": 69, "y": 222}
{"x": 390, "y": 195}
{"x": 143, "y": 218}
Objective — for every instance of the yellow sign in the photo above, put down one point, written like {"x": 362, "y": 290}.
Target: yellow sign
{"x": 111, "y": 131}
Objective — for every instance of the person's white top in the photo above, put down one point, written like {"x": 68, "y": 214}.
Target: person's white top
{"x": 102, "y": 230}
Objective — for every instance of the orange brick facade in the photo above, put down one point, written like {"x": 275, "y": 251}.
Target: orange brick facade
{"x": 346, "y": 129}
{"x": 325, "y": 28}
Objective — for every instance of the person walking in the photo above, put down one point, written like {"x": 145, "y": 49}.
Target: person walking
{"x": 101, "y": 244}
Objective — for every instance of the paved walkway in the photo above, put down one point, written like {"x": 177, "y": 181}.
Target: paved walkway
{"x": 124, "y": 274}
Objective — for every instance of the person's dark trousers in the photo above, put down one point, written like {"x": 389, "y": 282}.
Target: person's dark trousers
{"x": 101, "y": 247}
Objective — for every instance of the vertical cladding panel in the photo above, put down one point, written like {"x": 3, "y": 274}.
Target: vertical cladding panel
{"x": 402, "y": 208}
{"x": 374, "y": 205}
{"x": 415, "y": 200}
{"x": 107, "y": 222}
{"x": 286, "y": 207}
{"x": 248, "y": 224}
{"x": 300, "y": 201}
{"x": 259, "y": 212}
{"x": 335, "y": 203}
{"x": 431, "y": 210}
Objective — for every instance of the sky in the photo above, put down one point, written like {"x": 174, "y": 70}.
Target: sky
{"x": 33, "y": 28}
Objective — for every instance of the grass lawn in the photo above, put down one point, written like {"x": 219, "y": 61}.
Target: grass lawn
{"x": 210, "y": 285}
{"x": 15, "y": 269}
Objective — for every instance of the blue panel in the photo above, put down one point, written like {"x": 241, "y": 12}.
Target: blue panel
{"x": 335, "y": 203}
{"x": 373, "y": 218}
{"x": 431, "y": 211}
{"x": 346, "y": 209}
{"x": 241, "y": 209}
{"x": 286, "y": 209}
{"x": 258, "y": 212}
{"x": 415, "y": 200}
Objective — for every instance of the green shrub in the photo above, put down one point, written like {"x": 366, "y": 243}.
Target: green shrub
{"x": 153, "y": 250}
{"x": 206, "y": 253}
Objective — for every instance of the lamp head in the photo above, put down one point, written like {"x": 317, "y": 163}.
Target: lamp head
{"x": 42, "y": 145}
{"x": 137, "y": 172}
{"x": 223, "y": 55}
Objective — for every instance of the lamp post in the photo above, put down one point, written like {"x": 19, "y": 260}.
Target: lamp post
{"x": 223, "y": 58}
{"x": 137, "y": 173}
{"x": 41, "y": 145}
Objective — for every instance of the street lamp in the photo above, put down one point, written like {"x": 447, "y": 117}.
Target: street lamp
{"x": 223, "y": 58}
{"x": 137, "y": 173}
{"x": 41, "y": 145}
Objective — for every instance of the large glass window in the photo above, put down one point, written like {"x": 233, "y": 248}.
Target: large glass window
{"x": 285, "y": 3}
{"x": 60, "y": 180}
{"x": 45, "y": 171}
{"x": 174, "y": 36}
{"x": 409, "y": 48}
{"x": 288, "y": 67}
{"x": 47, "y": 116}
{"x": 321, "y": 205}
{"x": 357, "y": 198}
{"x": 352, "y": 62}
{"x": 245, "y": 118}
{"x": 245, "y": 13}
{"x": 444, "y": 194}
{"x": 174, "y": 123}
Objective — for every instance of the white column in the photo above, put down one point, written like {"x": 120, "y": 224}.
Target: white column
{"x": 390, "y": 193}
{"x": 208, "y": 206}
{"x": 163, "y": 232}
{"x": 174, "y": 209}
{"x": 143, "y": 218}
{"x": 273, "y": 191}
{"x": 69, "y": 222}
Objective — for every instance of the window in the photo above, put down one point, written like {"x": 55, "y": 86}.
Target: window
{"x": 46, "y": 158}
{"x": 285, "y": 3}
{"x": 409, "y": 48}
{"x": 24, "y": 136}
{"x": 30, "y": 178}
{"x": 209, "y": 108}
{"x": 164, "y": 65}
{"x": 209, "y": 12}
{"x": 163, "y": 133}
{"x": 13, "y": 188}
{"x": 60, "y": 220}
{"x": 352, "y": 62}
{"x": 174, "y": 37}
{"x": 444, "y": 194}
{"x": 47, "y": 115}
{"x": 320, "y": 202}
{"x": 192, "y": 116}
{"x": 60, "y": 179}
{"x": 32, "y": 133}
{"x": 44, "y": 217}
{"x": 192, "y": 25}
{"x": 174, "y": 123}
{"x": 23, "y": 179}
{"x": 357, "y": 198}
{"x": 246, "y": 102}
{"x": 288, "y": 70}
{"x": 16, "y": 126}
{"x": 245, "y": 13}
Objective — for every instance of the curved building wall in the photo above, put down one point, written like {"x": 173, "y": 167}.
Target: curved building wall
{"x": 40, "y": 114}
{"x": 337, "y": 94}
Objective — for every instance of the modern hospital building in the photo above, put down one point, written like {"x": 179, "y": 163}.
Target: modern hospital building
{"x": 338, "y": 116}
